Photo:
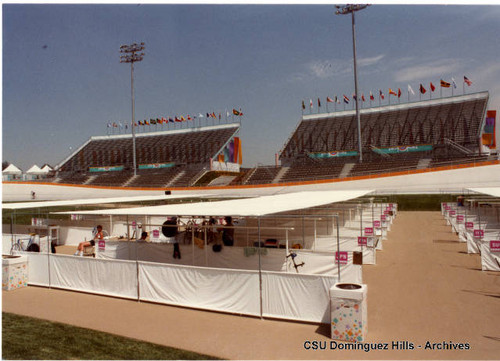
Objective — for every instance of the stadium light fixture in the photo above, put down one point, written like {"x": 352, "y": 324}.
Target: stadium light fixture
{"x": 344, "y": 10}
{"x": 130, "y": 54}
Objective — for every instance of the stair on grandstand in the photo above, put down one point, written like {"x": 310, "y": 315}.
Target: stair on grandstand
{"x": 130, "y": 180}
{"x": 90, "y": 179}
{"x": 280, "y": 174}
{"x": 175, "y": 178}
{"x": 424, "y": 163}
{"x": 346, "y": 170}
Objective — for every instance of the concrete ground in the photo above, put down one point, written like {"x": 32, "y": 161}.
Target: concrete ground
{"x": 425, "y": 289}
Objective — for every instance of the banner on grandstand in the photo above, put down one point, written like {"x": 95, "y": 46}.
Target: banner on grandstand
{"x": 224, "y": 166}
{"x": 156, "y": 165}
{"x": 403, "y": 149}
{"x": 106, "y": 169}
{"x": 345, "y": 153}
{"x": 489, "y": 136}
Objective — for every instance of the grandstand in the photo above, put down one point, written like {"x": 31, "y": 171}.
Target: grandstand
{"x": 397, "y": 137}
{"x": 165, "y": 158}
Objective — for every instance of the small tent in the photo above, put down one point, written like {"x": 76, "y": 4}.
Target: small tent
{"x": 11, "y": 173}
{"x": 34, "y": 173}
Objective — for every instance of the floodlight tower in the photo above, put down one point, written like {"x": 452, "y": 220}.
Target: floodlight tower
{"x": 343, "y": 10}
{"x": 130, "y": 55}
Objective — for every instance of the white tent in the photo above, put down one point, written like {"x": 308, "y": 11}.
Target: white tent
{"x": 46, "y": 168}
{"x": 12, "y": 169}
{"x": 250, "y": 207}
{"x": 491, "y": 191}
{"x": 11, "y": 173}
{"x": 35, "y": 170}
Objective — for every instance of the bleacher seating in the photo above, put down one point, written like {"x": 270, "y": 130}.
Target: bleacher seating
{"x": 263, "y": 175}
{"x": 187, "y": 150}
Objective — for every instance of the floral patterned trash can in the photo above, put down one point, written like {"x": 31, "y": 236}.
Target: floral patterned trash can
{"x": 14, "y": 272}
{"x": 349, "y": 318}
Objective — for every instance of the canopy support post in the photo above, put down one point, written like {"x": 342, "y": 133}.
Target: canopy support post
{"x": 338, "y": 247}
{"x": 260, "y": 271}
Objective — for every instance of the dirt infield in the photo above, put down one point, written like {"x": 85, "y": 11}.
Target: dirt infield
{"x": 424, "y": 290}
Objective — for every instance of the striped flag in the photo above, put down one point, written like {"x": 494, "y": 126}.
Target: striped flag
{"x": 346, "y": 99}
{"x": 422, "y": 89}
{"x": 392, "y": 92}
{"x": 371, "y": 96}
{"x": 467, "y": 81}
{"x": 432, "y": 87}
{"x": 410, "y": 89}
{"x": 381, "y": 95}
{"x": 329, "y": 100}
{"x": 444, "y": 84}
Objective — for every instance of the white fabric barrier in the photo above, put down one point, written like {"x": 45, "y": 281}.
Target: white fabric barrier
{"x": 113, "y": 278}
{"x": 206, "y": 288}
{"x": 328, "y": 244}
{"x": 38, "y": 268}
{"x": 297, "y": 297}
{"x": 232, "y": 258}
{"x": 490, "y": 261}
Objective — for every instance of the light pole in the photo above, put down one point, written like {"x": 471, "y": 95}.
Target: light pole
{"x": 343, "y": 10}
{"x": 130, "y": 55}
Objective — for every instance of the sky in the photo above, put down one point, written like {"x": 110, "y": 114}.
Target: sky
{"x": 63, "y": 81}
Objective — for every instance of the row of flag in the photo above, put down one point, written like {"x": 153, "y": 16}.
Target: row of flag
{"x": 176, "y": 119}
{"x": 381, "y": 95}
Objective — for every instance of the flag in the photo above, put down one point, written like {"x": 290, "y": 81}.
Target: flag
{"x": 227, "y": 113}
{"x": 241, "y": 113}
{"x": 219, "y": 116}
{"x": 432, "y": 87}
{"x": 453, "y": 82}
{"x": 319, "y": 103}
{"x": 303, "y": 105}
{"x": 371, "y": 96}
{"x": 189, "y": 117}
{"x": 146, "y": 122}
{"x": 208, "y": 115}
{"x": 445, "y": 84}
{"x": 163, "y": 120}
{"x": 467, "y": 81}
{"x": 363, "y": 97}
{"x": 115, "y": 125}
{"x": 109, "y": 125}
{"x": 399, "y": 92}
{"x": 311, "y": 103}
{"x": 235, "y": 112}
{"x": 354, "y": 96}
{"x": 337, "y": 100}
{"x": 392, "y": 92}
{"x": 177, "y": 119}
{"x": 329, "y": 100}
{"x": 170, "y": 120}
{"x": 152, "y": 121}
{"x": 120, "y": 124}
{"x": 422, "y": 89}
{"x": 213, "y": 115}
{"x": 200, "y": 115}
{"x": 381, "y": 95}
{"x": 346, "y": 99}
{"x": 182, "y": 118}
{"x": 410, "y": 89}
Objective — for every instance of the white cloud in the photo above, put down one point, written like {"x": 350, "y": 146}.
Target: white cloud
{"x": 428, "y": 70}
{"x": 328, "y": 68}
{"x": 370, "y": 61}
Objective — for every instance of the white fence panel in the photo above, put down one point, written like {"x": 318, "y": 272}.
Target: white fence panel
{"x": 206, "y": 288}
{"x": 297, "y": 297}
{"x": 115, "y": 278}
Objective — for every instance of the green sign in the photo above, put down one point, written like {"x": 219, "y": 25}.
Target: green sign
{"x": 156, "y": 165}
{"x": 106, "y": 169}
{"x": 345, "y": 153}
{"x": 403, "y": 149}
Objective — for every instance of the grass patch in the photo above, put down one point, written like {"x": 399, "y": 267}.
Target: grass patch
{"x": 421, "y": 202}
{"x": 27, "y": 338}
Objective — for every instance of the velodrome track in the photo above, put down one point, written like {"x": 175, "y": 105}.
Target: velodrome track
{"x": 420, "y": 181}
{"x": 425, "y": 287}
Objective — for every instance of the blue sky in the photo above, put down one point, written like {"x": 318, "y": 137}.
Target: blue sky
{"x": 62, "y": 80}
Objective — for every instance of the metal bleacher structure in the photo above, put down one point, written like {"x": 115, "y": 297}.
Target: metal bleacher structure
{"x": 172, "y": 158}
{"x": 441, "y": 132}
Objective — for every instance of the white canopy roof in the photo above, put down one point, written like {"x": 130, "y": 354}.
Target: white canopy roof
{"x": 258, "y": 206}
{"x": 77, "y": 202}
{"x": 35, "y": 170}
{"x": 492, "y": 191}
{"x": 46, "y": 168}
{"x": 12, "y": 169}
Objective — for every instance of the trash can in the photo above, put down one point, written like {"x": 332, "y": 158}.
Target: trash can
{"x": 14, "y": 272}
{"x": 349, "y": 318}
